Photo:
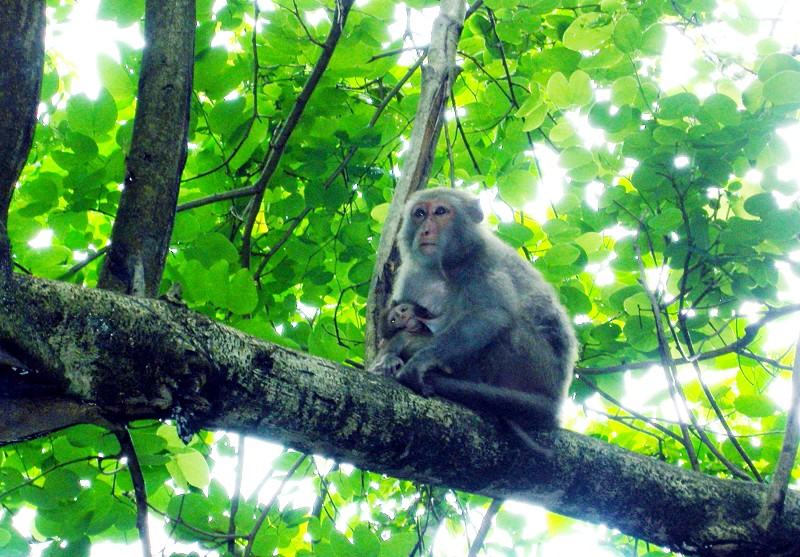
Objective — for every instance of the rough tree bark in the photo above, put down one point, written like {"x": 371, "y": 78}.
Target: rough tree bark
{"x": 143, "y": 225}
{"x": 131, "y": 358}
{"x": 22, "y": 52}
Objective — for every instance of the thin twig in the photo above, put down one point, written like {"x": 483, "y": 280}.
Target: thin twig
{"x": 486, "y": 523}
{"x": 237, "y": 495}
{"x": 667, "y": 362}
{"x": 263, "y": 516}
{"x": 282, "y": 139}
{"x": 139, "y": 490}
{"x": 750, "y": 333}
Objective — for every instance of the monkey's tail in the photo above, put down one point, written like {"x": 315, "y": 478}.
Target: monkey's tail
{"x": 525, "y": 437}
{"x": 529, "y": 409}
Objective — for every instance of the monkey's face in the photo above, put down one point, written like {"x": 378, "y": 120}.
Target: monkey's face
{"x": 398, "y": 317}
{"x": 432, "y": 221}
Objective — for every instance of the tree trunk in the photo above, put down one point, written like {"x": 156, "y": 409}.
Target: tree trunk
{"x": 22, "y": 52}
{"x": 143, "y": 225}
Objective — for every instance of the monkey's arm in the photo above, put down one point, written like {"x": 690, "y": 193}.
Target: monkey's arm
{"x": 457, "y": 343}
{"x": 397, "y": 350}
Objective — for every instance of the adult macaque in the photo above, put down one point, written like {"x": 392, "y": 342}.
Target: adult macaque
{"x": 403, "y": 333}
{"x": 501, "y": 341}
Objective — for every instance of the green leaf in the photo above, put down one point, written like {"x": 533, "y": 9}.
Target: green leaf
{"x": 517, "y": 188}
{"x": 124, "y": 12}
{"x": 641, "y": 333}
{"x": 228, "y": 116}
{"x": 682, "y": 105}
{"x": 783, "y": 87}
{"x": 624, "y": 91}
{"x": 669, "y": 220}
{"x": 84, "y": 147}
{"x": 62, "y": 484}
{"x": 558, "y": 90}
{"x": 116, "y": 79}
{"x": 605, "y": 115}
{"x": 563, "y": 254}
{"x": 576, "y": 301}
{"x": 637, "y": 305}
{"x": 255, "y": 138}
{"x": 244, "y": 295}
{"x": 535, "y": 118}
{"x": 653, "y": 40}
{"x": 627, "y": 33}
{"x": 782, "y": 226}
{"x": 755, "y": 406}
{"x": 574, "y": 157}
{"x": 323, "y": 341}
{"x": 560, "y": 231}
{"x": 588, "y": 32}
{"x": 84, "y": 435}
{"x": 514, "y": 233}
{"x": 775, "y": 64}
{"x": 720, "y": 109}
{"x": 5, "y": 537}
{"x": 530, "y": 104}
{"x": 561, "y": 132}
{"x": 193, "y": 467}
{"x": 762, "y": 205}
{"x": 92, "y": 118}
{"x": 218, "y": 285}
{"x": 580, "y": 88}
{"x": 365, "y": 542}
{"x": 541, "y": 7}
{"x": 399, "y": 544}
{"x": 668, "y": 135}
{"x": 211, "y": 248}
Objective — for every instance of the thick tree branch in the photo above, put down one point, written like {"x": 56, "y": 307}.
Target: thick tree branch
{"x": 143, "y": 225}
{"x": 22, "y": 51}
{"x": 131, "y": 356}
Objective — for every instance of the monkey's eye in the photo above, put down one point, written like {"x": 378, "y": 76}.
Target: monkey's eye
{"x": 440, "y": 210}
{"x": 392, "y": 320}
{"x": 419, "y": 213}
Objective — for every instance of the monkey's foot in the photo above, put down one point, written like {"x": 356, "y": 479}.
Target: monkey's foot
{"x": 413, "y": 377}
{"x": 388, "y": 366}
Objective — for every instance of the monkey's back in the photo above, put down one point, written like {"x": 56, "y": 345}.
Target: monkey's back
{"x": 536, "y": 354}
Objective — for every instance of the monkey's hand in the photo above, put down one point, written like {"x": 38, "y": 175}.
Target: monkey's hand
{"x": 387, "y": 365}
{"x": 412, "y": 375}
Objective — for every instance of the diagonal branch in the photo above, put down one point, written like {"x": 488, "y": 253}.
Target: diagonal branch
{"x": 139, "y": 490}
{"x": 437, "y": 77}
{"x": 774, "y": 506}
{"x": 279, "y": 145}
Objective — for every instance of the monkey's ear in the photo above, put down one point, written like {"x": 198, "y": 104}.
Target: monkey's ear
{"x": 474, "y": 211}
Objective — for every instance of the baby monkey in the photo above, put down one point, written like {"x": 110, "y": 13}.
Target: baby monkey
{"x": 403, "y": 332}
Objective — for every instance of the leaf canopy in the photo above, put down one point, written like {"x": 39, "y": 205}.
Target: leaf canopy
{"x": 669, "y": 236}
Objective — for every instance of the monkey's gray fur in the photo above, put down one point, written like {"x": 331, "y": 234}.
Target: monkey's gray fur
{"x": 502, "y": 340}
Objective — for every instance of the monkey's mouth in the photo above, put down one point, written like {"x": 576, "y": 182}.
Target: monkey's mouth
{"x": 427, "y": 246}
